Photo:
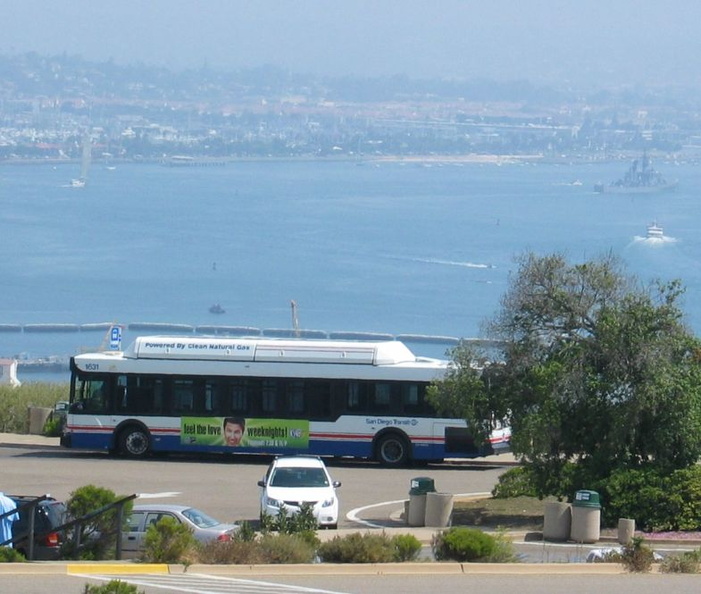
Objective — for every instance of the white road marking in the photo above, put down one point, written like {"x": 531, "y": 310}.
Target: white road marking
{"x": 208, "y": 584}
{"x": 159, "y": 495}
{"x": 352, "y": 515}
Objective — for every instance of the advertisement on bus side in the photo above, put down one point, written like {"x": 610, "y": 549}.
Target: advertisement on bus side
{"x": 244, "y": 432}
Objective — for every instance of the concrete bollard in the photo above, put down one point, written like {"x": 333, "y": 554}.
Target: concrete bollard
{"x": 37, "y": 419}
{"x": 417, "y": 510}
{"x": 557, "y": 521}
{"x": 626, "y": 530}
{"x": 439, "y": 509}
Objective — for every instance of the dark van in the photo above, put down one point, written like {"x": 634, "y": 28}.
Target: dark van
{"x": 49, "y": 514}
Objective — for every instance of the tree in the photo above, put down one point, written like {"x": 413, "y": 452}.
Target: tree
{"x": 592, "y": 369}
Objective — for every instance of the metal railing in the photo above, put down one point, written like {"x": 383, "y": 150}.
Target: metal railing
{"x": 33, "y": 536}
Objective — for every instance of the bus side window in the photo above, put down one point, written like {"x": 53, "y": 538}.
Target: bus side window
{"x": 183, "y": 396}
{"x": 269, "y": 396}
{"x": 381, "y": 397}
{"x": 238, "y": 398}
{"x": 410, "y": 398}
{"x": 318, "y": 395}
{"x": 356, "y": 397}
{"x": 211, "y": 397}
{"x": 295, "y": 397}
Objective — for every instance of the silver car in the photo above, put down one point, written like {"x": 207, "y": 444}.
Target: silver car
{"x": 204, "y": 527}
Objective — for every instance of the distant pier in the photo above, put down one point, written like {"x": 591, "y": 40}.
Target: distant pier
{"x": 61, "y": 363}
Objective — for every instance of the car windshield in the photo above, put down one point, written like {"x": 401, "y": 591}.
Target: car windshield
{"x": 199, "y": 518}
{"x": 299, "y": 477}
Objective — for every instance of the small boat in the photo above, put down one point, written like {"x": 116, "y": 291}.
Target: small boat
{"x": 80, "y": 182}
{"x": 654, "y": 231}
{"x": 217, "y": 309}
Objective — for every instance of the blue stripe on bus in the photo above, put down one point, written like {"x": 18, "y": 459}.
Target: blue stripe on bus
{"x": 103, "y": 440}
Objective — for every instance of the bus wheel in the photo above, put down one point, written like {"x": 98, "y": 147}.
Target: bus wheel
{"x": 392, "y": 450}
{"x": 134, "y": 442}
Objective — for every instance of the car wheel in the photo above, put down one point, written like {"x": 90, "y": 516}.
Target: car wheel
{"x": 134, "y": 442}
{"x": 392, "y": 450}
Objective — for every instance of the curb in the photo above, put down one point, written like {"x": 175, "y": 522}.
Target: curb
{"x": 117, "y": 568}
{"x": 316, "y": 569}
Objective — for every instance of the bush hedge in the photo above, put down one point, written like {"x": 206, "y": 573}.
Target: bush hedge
{"x": 15, "y": 402}
{"x": 463, "y": 544}
{"x": 656, "y": 500}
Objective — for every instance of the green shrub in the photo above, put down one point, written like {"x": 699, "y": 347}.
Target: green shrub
{"x": 168, "y": 541}
{"x": 286, "y": 548}
{"x": 515, "y": 482}
{"x": 406, "y": 547}
{"x": 53, "y": 427}
{"x": 303, "y": 523}
{"x": 10, "y": 555}
{"x": 269, "y": 548}
{"x": 98, "y": 534}
{"x": 358, "y": 548}
{"x": 634, "y": 493}
{"x": 657, "y": 501}
{"x": 15, "y": 402}
{"x": 504, "y": 551}
{"x": 286, "y": 523}
{"x": 687, "y": 562}
{"x": 637, "y": 557}
{"x": 112, "y": 587}
{"x": 463, "y": 544}
{"x": 683, "y": 495}
{"x": 245, "y": 533}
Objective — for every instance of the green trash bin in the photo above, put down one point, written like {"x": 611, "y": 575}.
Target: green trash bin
{"x": 422, "y": 485}
{"x": 416, "y": 512}
{"x": 586, "y": 499}
{"x": 586, "y": 517}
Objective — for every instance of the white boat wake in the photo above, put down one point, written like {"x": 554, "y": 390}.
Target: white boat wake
{"x": 662, "y": 239}
{"x": 452, "y": 263}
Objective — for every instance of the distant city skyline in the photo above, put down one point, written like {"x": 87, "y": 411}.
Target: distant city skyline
{"x": 597, "y": 42}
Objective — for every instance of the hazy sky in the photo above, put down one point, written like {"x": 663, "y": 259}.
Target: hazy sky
{"x": 584, "y": 41}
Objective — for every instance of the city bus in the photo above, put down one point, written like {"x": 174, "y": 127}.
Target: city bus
{"x": 363, "y": 399}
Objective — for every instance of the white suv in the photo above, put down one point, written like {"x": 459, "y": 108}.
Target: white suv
{"x": 291, "y": 481}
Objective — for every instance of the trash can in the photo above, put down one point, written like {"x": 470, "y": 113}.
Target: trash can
{"x": 38, "y": 415}
{"x": 439, "y": 509}
{"x": 420, "y": 486}
{"x": 626, "y": 530}
{"x": 586, "y": 517}
{"x": 557, "y": 521}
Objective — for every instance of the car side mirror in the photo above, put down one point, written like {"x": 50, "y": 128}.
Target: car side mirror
{"x": 336, "y": 484}
{"x": 261, "y": 483}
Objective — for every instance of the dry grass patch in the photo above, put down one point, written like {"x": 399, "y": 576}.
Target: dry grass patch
{"x": 515, "y": 513}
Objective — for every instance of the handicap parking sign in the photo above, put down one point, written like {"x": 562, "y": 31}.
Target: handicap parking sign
{"x": 115, "y": 338}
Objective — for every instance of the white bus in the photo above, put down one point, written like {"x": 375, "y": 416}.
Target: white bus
{"x": 260, "y": 395}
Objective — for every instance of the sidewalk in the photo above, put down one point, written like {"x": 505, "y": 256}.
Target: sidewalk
{"x": 27, "y": 440}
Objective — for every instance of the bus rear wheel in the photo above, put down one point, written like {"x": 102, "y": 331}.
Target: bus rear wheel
{"x": 392, "y": 450}
{"x": 134, "y": 442}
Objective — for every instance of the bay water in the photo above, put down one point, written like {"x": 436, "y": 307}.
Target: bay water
{"x": 395, "y": 248}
